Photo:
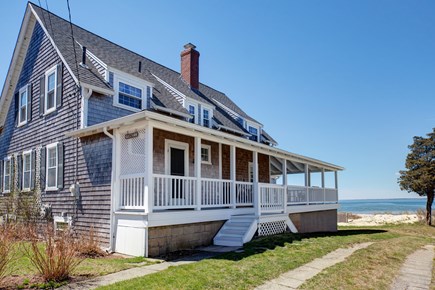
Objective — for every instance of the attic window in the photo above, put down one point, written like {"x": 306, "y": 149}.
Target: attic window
{"x": 22, "y": 110}
{"x": 130, "y": 96}
{"x": 206, "y": 118}
{"x": 192, "y": 112}
{"x": 254, "y": 133}
{"x": 50, "y": 91}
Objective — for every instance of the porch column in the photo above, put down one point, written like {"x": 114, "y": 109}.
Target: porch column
{"x": 285, "y": 183}
{"x": 149, "y": 190}
{"x": 198, "y": 172}
{"x": 256, "y": 193}
{"x": 323, "y": 185}
{"x": 233, "y": 175}
{"x": 307, "y": 182}
{"x": 336, "y": 185}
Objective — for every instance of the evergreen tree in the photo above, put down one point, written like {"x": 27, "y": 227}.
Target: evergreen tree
{"x": 419, "y": 176}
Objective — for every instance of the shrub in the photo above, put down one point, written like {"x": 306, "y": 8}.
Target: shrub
{"x": 90, "y": 247}
{"x": 421, "y": 216}
{"x": 7, "y": 244}
{"x": 54, "y": 256}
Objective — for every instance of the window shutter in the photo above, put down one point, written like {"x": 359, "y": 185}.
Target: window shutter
{"x": 33, "y": 174}
{"x": 59, "y": 77}
{"x": 29, "y": 102}
{"x": 17, "y": 104}
{"x": 19, "y": 171}
{"x": 12, "y": 175}
{"x": 60, "y": 159}
{"x": 41, "y": 95}
{"x": 1, "y": 175}
{"x": 42, "y": 169}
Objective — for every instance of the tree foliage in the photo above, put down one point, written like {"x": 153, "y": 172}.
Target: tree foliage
{"x": 419, "y": 176}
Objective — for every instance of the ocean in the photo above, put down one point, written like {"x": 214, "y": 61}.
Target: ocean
{"x": 395, "y": 206}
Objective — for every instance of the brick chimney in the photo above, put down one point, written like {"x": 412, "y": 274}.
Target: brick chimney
{"x": 190, "y": 65}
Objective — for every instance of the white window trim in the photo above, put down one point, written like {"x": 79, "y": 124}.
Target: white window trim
{"x": 22, "y": 90}
{"x": 50, "y": 146}
{"x": 28, "y": 152}
{"x": 137, "y": 84}
{"x": 9, "y": 158}
{"x": 210, "y": 116}
{"x": 187, "y": 104}
{"x": 208, "y": 147}
{"x": 178, "y": 145}
{"x": 47, "y": 73}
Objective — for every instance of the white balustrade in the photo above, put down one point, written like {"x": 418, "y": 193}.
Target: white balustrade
{"x": 215, "y": 192}
{"x": 132, "y": 190}
{"x": 296, "y": 195}
{"x": 316, "y": 195}
{"x": 331, "y": 195}
{"x": 271, "y": 198}
{"x": 244, "y": 193}
{"x": 171, "y": 192}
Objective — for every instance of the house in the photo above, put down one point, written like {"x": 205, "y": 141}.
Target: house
{"x": 151, "y": 159}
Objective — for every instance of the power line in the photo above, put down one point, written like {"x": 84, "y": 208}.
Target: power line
{"x": 49, "y": 19}
{"x": 73, "y": 42}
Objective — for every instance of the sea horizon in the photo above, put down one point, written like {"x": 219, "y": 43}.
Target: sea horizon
{"x": 382, "y": 205}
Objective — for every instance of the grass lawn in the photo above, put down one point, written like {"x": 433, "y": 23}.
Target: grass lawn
{"x": 266, "y": 258}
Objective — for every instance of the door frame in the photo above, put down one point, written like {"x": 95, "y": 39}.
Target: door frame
{"x": 177, "y": 145}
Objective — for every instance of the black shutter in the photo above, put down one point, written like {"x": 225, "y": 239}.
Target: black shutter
{"x": 42, "y": 95}
{"x": 29, "y": 102}
{"x": 42, "y": 169}
{"x": 12, "y": 174}
{"x": 1, "y": 175}
{"x": 33, "y": 173}
{"x": 60, "y": 159}
{"x": 17, "y": 105}
{"x": 19, "y": 172}
{"x": 59, "y": 77}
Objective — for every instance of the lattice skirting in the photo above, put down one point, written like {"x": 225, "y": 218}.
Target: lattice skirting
{"x": 271, "y": 228}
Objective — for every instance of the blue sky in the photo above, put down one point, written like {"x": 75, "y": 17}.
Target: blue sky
{"x": 348, "y": 82}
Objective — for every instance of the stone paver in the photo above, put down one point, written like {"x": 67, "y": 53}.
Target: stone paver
{"x": 296, "y": 277}
{"x": 416, "y": 272}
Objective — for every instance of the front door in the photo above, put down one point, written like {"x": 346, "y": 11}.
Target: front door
{"x": 177, "y": 168}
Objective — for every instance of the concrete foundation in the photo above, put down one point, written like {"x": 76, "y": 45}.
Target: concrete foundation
{"x": 163, "y": 240}
{"x": 316, "y": 221}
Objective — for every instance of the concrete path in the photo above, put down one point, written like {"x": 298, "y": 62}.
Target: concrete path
{"x": 207, "y": 252}
{"x": 296, "y": 277}
{"x": 416, "y": 272}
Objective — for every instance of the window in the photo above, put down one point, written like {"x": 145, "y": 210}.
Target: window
{"x": 192, "y": 112}
{"x": 22, "y": 106}
{"x": 50, "y": 90}
{"x": 205, "y": 118}
{"x": 111, "y": 79}
{"x": 52, "y": 162}
{"x": 254, "y": 133}
{"x": 251, "y": 171}
{"x": 130, "y": 96}
{"x": 7, "y": 175}
{"x": 206, "y": 154}
{"x": 27, "y": 169}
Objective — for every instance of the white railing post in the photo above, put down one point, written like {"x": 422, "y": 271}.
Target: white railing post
{"x": 198, "y": 172}
{"x": 149, "y": 188}
{"x": 257, "y": 197}
{"x": 284, "y": 176}
{"x": 233, "y": 175}
{"x": 307, "y": 182}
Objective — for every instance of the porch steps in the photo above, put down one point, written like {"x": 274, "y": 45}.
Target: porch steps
{"x": 238, "y": 230}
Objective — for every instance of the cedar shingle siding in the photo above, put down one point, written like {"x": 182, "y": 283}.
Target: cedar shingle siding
{"x": 95, "y": 154}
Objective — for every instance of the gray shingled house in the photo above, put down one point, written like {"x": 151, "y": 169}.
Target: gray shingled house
{"x": 150, "y": 158}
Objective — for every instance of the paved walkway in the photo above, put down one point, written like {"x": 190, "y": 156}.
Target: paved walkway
{"x": 207, "y": 252}
{"x": 416, "y": 272}
{"x": 296, "y": 277}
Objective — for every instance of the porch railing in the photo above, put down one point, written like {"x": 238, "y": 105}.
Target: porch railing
{"x": 180, "y": 192}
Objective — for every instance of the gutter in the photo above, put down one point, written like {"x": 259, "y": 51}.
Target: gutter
{"x": 112, "y": 193}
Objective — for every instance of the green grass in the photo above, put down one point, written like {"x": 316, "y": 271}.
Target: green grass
{"x": 263, "y": 259}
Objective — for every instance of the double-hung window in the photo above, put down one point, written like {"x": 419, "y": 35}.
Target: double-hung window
{"x": 7, "y": 175}
{"x": 50, "y": 90}
{"x": 254, "y": 133}
{"x": 206, "y": 154}
{"x": 27, "y": 169}
{"x": 22, "y": 106}
{"x": 192, "y": 113}
{"x": 52, "y": 163}
{"x": 206, "y": 118}
{"x": 130, "y": 96}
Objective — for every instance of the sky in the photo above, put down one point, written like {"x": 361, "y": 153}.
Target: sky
{"x": 346, "y": 82}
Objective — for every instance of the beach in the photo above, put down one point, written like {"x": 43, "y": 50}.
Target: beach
{"x": 376, "y": 219}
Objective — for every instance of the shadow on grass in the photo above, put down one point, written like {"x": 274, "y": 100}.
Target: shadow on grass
{"x": 262, "y": 244}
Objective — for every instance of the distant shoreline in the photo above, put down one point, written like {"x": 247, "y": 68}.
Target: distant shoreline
{"x": 351, "y": 219}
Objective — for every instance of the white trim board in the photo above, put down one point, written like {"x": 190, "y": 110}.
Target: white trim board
{"x": 178, "y": 145}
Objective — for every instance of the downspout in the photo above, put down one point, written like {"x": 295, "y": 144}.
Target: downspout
{"x": 112, "y": 191}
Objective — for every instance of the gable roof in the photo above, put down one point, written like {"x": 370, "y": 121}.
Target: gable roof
{"x": 116, "y": 57}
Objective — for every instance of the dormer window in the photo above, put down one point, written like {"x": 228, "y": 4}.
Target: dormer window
{"x": 254, "y": 133}
{"x": 206, "y": 118}
{"x": 130, "y": 96}
{"x": 192, "y": 113}
{"x": 130, "y": 93}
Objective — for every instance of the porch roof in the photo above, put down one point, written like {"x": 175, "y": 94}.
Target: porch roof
{"x": 223, "y": 137}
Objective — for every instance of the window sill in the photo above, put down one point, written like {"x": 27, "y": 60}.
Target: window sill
{"x": 21, "y": 124}
{"x": 51, "y": 189}
{"x": 49, "y": 112}
{"x": 125, "y": 107}
{"x": 206, "y": 163}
